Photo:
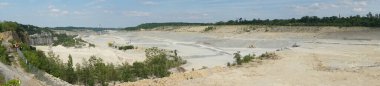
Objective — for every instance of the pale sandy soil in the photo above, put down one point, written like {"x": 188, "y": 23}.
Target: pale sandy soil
{"x": 199, "y": 49}
{"x": 335, "y": 57}
{"x": 108, "y": 55}
{"x": 312, "y": 64}
{"x": 328, "y": 56}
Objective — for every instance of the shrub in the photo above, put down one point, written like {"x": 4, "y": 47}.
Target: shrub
{"x": 248, "y": 58}
{"x": 228, "y": 64}
{"x": 237, "y": 58}
{"x": 126, "y": 47}
{"x": 13, "y": 82}
{"x": 2, "y": 79}
{"x": 4, "y": 56}
{"x": 91, "y": 45}
{"x": 295, "y": 45}
{"x": 209, "y": 29}
{"x": 267, "y": 55}
{"x": 110, "y": 44}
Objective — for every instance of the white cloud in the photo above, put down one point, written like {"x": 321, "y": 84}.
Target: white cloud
{"x": 358, "y": 6}
{"x": 54, "y": 11}
{"x": 3, "y": 4}
{"x": 94, "y": 2}
{"x": 358, "y": 10}
{"x": 57, "y": 12}
{"x": 149, "y": 3}
{"x": 197, "y": 15}
{"x": 313, "y": 7}
{"x": 137, "y": 13}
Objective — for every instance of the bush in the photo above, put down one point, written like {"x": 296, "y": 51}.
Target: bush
{"x": 248, "y": 58}
{"x": 4, "y": 56}
{"x": 267, "y": 55}
{"x": 91, "y": 45}
{"x": 239, "y": 61}
{"x": 2, "y": 79}
{"x": 209, "y": 29}
{"x": 110, "y": 44}
{"x": 13, "y": 82}
{"x": 237, "y": 58}
{"x": 126, "y": 47}
{"x": 295, "y": 45}
{"x": 228, "y": 64}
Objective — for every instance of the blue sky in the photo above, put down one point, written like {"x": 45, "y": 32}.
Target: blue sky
{"x": 123, "y": 13}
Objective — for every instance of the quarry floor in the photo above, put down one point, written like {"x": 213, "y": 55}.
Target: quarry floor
{"x": 199, "y": 49}
{"x": 319, "y": 62}
{"x": 323, "y": 58}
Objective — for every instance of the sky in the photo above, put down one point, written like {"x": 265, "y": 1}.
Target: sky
{"x": 126, "y": 13}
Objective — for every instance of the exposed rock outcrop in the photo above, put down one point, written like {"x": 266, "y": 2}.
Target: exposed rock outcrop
{"x": 43, "y": 38}
{"x": 9, "y": 36}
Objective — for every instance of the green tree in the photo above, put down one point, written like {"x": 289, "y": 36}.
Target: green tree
{"x": 4, "y": 56}
{"x": 140, "y": 70}
{"x": 70, "y": 73}
{"x": 127, "y": 73}
{"x": 237, "y": 58}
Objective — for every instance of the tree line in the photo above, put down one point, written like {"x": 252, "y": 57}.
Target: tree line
{"x": 154, "y": 25}
{"x": 368, "y": 20}
{"x": 14, "y": 26}
{"x": 95, "y": 71}
{"x": 70, "y": 28}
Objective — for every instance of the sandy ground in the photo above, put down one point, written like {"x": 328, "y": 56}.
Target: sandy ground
{"x": 327, "y": 56}
{"x": 199, "y": 49}
{"x": 324, "y": 58}
{"x": 102, "y": 50}
{"x": 342, "y": 63}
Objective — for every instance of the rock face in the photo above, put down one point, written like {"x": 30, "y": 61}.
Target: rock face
{"x": 43, "y": 38}
{"x": 14, "y": 36}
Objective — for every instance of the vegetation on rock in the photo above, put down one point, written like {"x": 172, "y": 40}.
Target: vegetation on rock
{"x": 4, "y": 56}
{"x": 68, "y": 40}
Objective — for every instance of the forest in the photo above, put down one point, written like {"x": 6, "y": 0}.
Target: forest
{"x": 154, "y": 25}
{"x": 14, "y": 26}
{"x": 368, "y": 20}
{"x": 70, "y": 28}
